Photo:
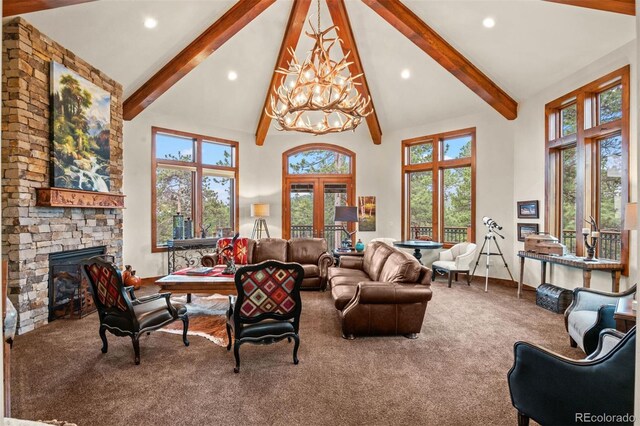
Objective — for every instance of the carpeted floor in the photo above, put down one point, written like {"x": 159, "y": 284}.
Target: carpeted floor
{"x": 453, "y": 374}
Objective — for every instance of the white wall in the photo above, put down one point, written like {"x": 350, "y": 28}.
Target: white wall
{"x": 494, "y": 171}
{"x": 529, "y": 163}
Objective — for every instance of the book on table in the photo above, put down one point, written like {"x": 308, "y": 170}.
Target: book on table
{"x": 199, "y": 271}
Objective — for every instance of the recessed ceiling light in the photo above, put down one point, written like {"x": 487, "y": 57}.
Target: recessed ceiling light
{"x": 489, "y": 22}
{"x": 233, "y": 76}
{"x": 405, "y": 74}
{"x": 150, "y": 23}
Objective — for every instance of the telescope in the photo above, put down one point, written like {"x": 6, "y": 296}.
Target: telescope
{"x": 490, "y": 223}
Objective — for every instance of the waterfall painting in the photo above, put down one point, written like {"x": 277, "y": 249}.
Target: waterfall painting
{"x": 80, "y": 123}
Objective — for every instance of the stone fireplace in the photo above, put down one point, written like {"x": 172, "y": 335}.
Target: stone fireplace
{"x": 32, "y": 232}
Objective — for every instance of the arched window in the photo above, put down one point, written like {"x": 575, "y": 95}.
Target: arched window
{"x": 316, "y": 179}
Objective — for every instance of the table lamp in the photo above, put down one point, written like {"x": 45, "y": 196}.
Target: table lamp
{"x": 260, "y": 211}
{"x": 349, "y": 215}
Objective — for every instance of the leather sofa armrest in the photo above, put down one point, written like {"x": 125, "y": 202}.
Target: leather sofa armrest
{"x": 425, "y": 275}
{"x": 324, "y": 262}
{"x": 351, "y": 262}
{"x": 376, "y": 292}
{"x": 209, "y": 260}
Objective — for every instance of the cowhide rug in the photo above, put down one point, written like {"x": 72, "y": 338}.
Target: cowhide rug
{"x": 207, "y": 317}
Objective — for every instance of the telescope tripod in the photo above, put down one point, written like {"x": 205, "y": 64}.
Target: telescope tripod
{"x": 491, "y": 235}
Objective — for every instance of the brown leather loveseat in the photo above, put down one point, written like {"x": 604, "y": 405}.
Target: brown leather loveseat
{"x": 384, "y": 292}
{"x": 311, "y": 253}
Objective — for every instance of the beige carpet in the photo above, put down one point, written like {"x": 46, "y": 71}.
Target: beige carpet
{"x": 453, "y": 374}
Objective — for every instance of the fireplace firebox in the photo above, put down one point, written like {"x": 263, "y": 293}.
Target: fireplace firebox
{"x": 69, "y": 292}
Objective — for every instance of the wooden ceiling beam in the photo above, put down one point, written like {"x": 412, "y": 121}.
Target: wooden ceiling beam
{"x": 626, "y": 7}
{"x": 340, "y": 18}
{"x": 19, "y": 7}
{"x": 423, "y": 36}
{"x": 236, "y": 18}
{"x": 292, "y": 33}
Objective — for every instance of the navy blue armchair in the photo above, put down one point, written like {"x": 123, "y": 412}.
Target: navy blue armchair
{"x": 554, "y": 390}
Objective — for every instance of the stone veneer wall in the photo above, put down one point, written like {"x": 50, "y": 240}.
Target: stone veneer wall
{"x": 30, "y": 233}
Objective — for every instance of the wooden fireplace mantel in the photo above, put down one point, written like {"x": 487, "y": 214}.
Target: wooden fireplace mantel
{"x": 63, "y": 197}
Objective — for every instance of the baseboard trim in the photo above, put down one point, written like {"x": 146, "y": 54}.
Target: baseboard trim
{"x": 502, "y": 282}
{"x": 149, "y": 280}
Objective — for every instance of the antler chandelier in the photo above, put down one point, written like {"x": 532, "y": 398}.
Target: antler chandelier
{"x": 318, "y": 96}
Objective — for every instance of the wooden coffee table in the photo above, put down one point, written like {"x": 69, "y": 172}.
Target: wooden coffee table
{"x": 197, "y": 284}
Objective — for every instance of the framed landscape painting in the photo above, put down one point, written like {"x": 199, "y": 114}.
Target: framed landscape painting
{"x": 528, "y": 209}
{"x": 526, "y": 228}
{"x": 80, "y": 127}
{"x": 366, "y": 213}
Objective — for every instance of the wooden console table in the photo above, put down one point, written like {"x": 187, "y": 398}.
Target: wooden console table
{"x": 612, "y": 266}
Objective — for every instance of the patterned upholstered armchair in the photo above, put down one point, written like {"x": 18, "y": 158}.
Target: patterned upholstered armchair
{"x": 268, "y": 306}
{"x": 121, "y": 312}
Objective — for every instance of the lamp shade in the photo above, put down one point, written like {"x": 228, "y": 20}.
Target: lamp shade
{"x": 631, "y": 217}
{"x": 346, "y": 214}
{"x": 260, "y": 210}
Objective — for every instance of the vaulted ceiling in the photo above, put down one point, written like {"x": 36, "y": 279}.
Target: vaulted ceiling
{"x": 533, "y": 44}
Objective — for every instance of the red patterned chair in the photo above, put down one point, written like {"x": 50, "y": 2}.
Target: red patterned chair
{"x": 267, "y": 308}
{"x": 121, "y": 312}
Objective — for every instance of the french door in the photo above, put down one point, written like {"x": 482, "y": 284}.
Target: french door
{"x": 309, "y": 207}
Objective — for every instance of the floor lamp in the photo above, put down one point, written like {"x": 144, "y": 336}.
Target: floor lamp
{"x": 259, "y": 211}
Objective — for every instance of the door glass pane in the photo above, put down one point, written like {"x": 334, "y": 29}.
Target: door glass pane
{"x": 420, "y": 206}
{"x": 301, "y": 203}
{"x": 456, "y": 147}
{"x": 457, "y": 204}
{"x": 217, "y": 207}
{"x": 174, "y": 193}
{"x": 610, "y": 104}
{"x": 217, "y": 154}
{"x": 335, "y": 194}
{"x": 420, "y": 154}
{"x": 568, "y": 120}
{"x": 568, "y": 195}
{"x": 610, "y": 197}
{"x": 172, "y": 147}
{"x": 319, "y": 162}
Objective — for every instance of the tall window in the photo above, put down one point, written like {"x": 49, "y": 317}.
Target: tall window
{"x": 317, "y": 178}
{"x": 196, "y": 176}
{"x": 438, "y": 173}
{"x": 587, "y": 148}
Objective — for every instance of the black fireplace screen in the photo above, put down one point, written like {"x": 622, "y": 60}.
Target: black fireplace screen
{"x": 69, "y": 293}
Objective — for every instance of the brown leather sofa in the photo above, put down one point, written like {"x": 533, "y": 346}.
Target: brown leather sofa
{"x": 384, "y": 292}
{"x": 311, "y": 253}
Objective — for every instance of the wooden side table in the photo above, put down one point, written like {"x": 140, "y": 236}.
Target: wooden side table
{"x": 339, "y": 253}
{"x": 624, "y": 315}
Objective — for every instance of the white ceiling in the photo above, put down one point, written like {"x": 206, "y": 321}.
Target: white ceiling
{"x": 533, "y": 45}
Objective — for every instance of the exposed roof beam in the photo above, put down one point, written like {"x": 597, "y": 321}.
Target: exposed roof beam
{"x": 423, "y": 36}
{"x": 627, "y": 7}
{"x": 191, "y": 56}
{"x": 340, "y": 18}
{"x": 292, "y": 33}
{"x": 19, "y": 7}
